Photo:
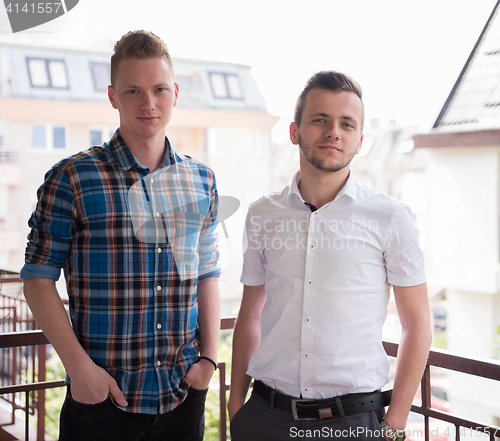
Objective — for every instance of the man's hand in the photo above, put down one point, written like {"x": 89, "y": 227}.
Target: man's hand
{"x": 233, "y": 407}
{"x": 92, "y": 385}
{"x": 200, "y": 374}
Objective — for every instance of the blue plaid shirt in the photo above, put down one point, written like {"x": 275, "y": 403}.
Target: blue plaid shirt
{"x": 131, "y": 260}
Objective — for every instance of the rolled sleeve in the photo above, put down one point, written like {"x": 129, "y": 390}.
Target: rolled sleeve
{"x": 35, "y": 271}
{"x": 51, "y": 224}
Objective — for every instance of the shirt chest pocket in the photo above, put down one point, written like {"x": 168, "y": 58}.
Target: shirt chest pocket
{"x": 183, "y": 234}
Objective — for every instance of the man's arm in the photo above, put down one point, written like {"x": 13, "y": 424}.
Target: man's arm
{"x": 90, "y": 384}
{"x": 200, "y": 373}
{"x": 413, "y": 309}
{"x": 246, "y": 340}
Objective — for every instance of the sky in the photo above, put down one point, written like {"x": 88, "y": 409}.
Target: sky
{"x": 405, "y": 54}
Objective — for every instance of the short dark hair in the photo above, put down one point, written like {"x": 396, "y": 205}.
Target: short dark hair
{"x": 332, "y": 81}
{"x": 141, "y": 45}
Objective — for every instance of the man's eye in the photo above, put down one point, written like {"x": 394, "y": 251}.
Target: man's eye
{"x": 160, "y": 89}
{"x": 320, "y": 120}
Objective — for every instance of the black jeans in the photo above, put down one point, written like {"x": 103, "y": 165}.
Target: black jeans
{"x": 104, "y": 421}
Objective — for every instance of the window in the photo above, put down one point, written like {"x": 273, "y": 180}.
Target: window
{"x": 233, "y": 86}
{"x": 48, "y": 73}
{"x": 95, "y": 137}
{"x": 59, "y": 137}
{"x": 100, "y": 75}
{"x": 48, "y": 137}
{"x": 226, "y": 86}
{"x": 100, "y": 134}
{"x": 38, "y": 138}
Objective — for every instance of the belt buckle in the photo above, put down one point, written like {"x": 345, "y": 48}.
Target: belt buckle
{"x": 294, "y": 410}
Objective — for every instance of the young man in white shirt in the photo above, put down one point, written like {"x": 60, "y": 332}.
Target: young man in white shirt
{"x": 320, "y": 258}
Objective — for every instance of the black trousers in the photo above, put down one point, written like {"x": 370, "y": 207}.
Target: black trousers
{"x": 105, "y": 422}
{"x": 257, "y": 420}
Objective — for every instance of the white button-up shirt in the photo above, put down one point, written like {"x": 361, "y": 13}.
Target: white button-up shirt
{"x": 327, "y": 275}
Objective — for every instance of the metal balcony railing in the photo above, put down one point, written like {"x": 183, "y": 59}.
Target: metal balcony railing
{"x": 22, "y": 362}
{"x": 488, "y": 369}
{"x": 437, "y": 358}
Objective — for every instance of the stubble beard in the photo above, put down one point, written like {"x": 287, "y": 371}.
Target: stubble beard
{"x": 319, "y": 163}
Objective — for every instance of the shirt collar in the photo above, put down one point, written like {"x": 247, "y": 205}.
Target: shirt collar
{"x": 349, "y": 189}
{"x": 126, "y": 160}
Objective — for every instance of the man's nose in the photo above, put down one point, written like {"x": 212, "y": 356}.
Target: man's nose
{"x": 332, "y": 131}
{"x": 147, "y": 101}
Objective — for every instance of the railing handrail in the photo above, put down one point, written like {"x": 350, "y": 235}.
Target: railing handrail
{"x": 30, "y": 387}
{"x": 25, "y": 338}
{"x": 481, "y": 367}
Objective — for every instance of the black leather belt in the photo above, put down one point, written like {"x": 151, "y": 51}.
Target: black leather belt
{"x": 304, "y": 409}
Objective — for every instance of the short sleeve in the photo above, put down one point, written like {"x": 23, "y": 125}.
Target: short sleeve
{"x": 402, "y": 254}
{"x": 253, "y": 273}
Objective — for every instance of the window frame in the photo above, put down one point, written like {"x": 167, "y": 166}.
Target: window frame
{"x": 49, "y": 147}
{"x": 106, "y": 133}
{"x": 93, "y": 64}
{"x": 229, "y": 95}
{"x": 50, "y": 83}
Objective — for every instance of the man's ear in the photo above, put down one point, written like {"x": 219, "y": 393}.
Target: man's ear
{"x": 111, "y": 96}
{"x": 294, "y": 133}
{"x": 359, "y": 144}
{"x": 176, "y": 91}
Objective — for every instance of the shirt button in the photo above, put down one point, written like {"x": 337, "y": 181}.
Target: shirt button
{"x": 158, "y": 250}
{"x": 312, "y": 246}
{"x": 310, "y": 282}
{"x": 306, "y": 389}
{"x": 157, "y": 214}
{"x": 158, "y": 326}
{"x": 158, "y": 288}
{"x": 306, "y": 355}
{"x": 158, "y": 363}
{"x": 308, "y": 320}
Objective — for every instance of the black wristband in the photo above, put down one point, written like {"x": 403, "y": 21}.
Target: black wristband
{"x": 201, "y": 357}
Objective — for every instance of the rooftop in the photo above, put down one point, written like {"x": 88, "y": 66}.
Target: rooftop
{"x": 474, "y": 102}
{"x": 64, "y": 74}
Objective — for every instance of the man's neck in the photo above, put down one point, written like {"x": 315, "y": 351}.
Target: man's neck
{"x": 149, "y": 152}
{"x": 319, "y": 188}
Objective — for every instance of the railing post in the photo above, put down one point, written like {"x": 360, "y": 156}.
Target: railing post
{"x": 40, "y": 405}
{"x": 27, "y": 417}
{"x": 222, "y": 401}
{"x": 14, "y": 368}
{"x": 425, "y": 387}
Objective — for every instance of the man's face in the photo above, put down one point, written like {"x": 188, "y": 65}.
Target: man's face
{"x": 329, "y": 134}
{"x": 144, "y": 94}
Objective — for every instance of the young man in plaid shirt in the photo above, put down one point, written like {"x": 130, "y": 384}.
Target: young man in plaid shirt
{"x": 132, "y": 224}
